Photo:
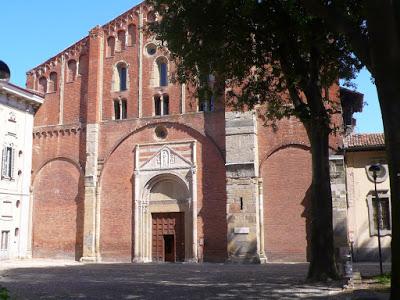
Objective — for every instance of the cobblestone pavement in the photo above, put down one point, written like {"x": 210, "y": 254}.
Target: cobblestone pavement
{"x": 71, "y": 280}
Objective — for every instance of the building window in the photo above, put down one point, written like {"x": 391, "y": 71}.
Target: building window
{"x": 165, "y": 105}
{"x": 206, "y": 104}
{"x": 131, "y": 35}
{"x": 7, "y": 165}
{"x": 53, "y": 82}
{"x": 161, "y": 105}
{"x": 83, "y": 65}
{"x": 384, "y": 218}
{"x": 120, "y": 77}
{"x": 162, "y": 65}
{"x": 151, "y": 17}
{"x": 71, "y": 70}
{"x": 110, "y": 46}
{"x": 42, "y": 85}
{"x": 120, "y": 109}
{"x": 121, "y": 41}
{"x": 157, "y": 105}
{"x": 4, "y": 240}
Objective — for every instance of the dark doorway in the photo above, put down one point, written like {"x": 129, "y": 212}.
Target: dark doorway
{"x": 169, "y": 247}
{"x": 168, "y": 237}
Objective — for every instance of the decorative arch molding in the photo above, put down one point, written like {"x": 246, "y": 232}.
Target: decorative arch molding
{"x": 168, "y": 175}
{"x": 72, "y": 161}
{"x": 196, "y": 134}
{"x": 295, "y": 144}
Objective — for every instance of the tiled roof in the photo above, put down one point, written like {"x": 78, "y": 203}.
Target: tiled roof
{"x": 364, "y": 141}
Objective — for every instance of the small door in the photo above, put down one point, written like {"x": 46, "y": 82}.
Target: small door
{"x": 4, "y": 245}
{"x": 168, "y": 237}
{"x": 169, "y": 247}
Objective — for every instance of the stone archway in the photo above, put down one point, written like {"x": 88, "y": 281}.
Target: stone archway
{"x": 169, "y": 206}
{"x": 164, "y": 220}
{"x": 165, "y": 188}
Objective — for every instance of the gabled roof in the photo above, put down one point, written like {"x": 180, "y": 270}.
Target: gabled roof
{"x": 364, "y": 141}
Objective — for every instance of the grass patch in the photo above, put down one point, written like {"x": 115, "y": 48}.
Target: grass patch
{"x": 383, "y": 279}
{"x": 4, "y": 295}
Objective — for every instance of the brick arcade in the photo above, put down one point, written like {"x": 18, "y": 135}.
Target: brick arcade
{"x": 128, "y": 166}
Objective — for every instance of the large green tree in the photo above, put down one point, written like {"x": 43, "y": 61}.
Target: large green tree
{"x": 278, "y": 55}
{"x": 372, "y": 29}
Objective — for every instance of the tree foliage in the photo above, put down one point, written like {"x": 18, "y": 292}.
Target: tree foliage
{"x": 265, "y": 47}
{"x": 270, "y": 52}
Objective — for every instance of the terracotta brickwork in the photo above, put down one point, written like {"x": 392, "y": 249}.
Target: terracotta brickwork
{"x": 84, "y": 164}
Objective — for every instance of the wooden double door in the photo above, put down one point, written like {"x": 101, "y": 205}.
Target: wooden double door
{"x": 168, "y": 237}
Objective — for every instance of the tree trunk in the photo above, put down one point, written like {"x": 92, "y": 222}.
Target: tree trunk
{"x": 322, "y": 264}
{"x": 389, "y": 96}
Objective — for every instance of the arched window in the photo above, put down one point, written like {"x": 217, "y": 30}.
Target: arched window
{"x": 162, "y": 66}
{"x": 120, "y": 82}
{"x": 157, "y": 105}
{"x": 83, "y": 64}
{"x": 165, "y": 105}
{"x": 206, "y": 104}
{"x": 121, "y": 41}
{"x": 110, "y": 46}
{"x": 53, "y": 82}
{"x": 71, "y": 70}
{"x": 120, "y": 109}
{"x": 131, "y": 35}
{"x": 42, "y": 87}
{"x": 151, "y": 17}
{"x": 161, "y": 105}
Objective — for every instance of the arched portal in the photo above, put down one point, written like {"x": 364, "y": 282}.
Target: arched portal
{"x": 170, "y": 218}
{"x": 165, "y": 215}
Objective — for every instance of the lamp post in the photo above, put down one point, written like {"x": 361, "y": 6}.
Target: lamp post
{"x": 375, "y": 169}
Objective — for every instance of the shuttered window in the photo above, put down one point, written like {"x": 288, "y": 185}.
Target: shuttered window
{"x": 7, "y": 165}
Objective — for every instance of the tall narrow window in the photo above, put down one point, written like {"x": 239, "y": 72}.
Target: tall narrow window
{"x": 151, "y": 17}
{"x": 53, "y": 82}
{"x": 110, "y": 46}
{"x": 124, "y": 112}
{"x": 4, "y": 240}
{"x": 42, "y": 87}
{"x": 71, "y": 70}
{"x": 165, "y": 105}
{"x": 121, "y": 40}
{"x": 120, "y": 109}
{"x": 117, "y": 110}
{"x": 383, "y": 220}
{"x": 131, "y": 35}
{"x": 206, "y": 104}
{"x": 157, "y": 105}
{"x": 83, "y": 64}
{"x": 122, "y": 72}
{"x": 163, "y": 72}
{"x": 7, "y": 166}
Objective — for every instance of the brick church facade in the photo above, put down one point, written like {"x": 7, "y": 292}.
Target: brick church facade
{"x": 128, "y": 166}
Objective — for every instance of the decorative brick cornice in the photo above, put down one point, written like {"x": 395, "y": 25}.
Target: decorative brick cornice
{"x": 57, "y": 130}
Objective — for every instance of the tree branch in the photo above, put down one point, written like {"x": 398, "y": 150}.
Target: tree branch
{"x": 339, "y": 23}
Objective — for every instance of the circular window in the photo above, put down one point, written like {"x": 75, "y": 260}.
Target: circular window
{"x": 151, "y": 49}
{"x": 381, "y": 172}
{"x": 161, "y": 132}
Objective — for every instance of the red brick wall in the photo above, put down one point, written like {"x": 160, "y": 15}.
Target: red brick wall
{"x": 117, "y": 194}
{"x": 57, "y": 211}
{"x": 286, "y": 182}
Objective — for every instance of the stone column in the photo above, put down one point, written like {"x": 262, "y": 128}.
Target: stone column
{"x": 339, "y": 206}
{"x": 95, "y": 91}
{"x": 243, "y": 211}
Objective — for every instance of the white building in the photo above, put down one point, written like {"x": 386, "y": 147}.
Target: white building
{"x": 17, "y": 108}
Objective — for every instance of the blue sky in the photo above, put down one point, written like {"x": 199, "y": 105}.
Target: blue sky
{"x": 32, "y": 31}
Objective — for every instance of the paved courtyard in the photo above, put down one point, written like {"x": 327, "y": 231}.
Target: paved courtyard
{"x": 71, "y": 280}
